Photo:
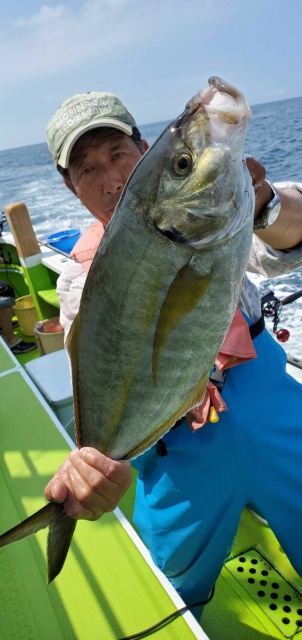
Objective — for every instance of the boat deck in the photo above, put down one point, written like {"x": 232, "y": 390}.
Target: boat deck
{"x": 107, "y": 588}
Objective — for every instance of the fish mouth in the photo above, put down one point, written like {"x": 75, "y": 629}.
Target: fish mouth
{"x": 220, "y": 100}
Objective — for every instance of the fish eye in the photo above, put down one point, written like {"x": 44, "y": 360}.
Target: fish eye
{"x": 182, "y": 163}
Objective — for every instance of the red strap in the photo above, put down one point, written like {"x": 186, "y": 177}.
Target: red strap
{"x": 237, "y": 348}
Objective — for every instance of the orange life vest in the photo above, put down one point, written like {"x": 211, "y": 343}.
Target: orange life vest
{"x": 86, "y": 247}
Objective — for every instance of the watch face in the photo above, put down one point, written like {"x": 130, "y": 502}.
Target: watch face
{"x": 274, "y": 210}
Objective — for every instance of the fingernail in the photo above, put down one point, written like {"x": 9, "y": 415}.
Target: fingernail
{"x": 83, "y": 452}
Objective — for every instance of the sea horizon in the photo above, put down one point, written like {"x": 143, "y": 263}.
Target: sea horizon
{"x": 157, "y": 122}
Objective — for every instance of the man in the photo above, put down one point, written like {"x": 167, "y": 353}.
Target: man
{"x": 189, "y": 501}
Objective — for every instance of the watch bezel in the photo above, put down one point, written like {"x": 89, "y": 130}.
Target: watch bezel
{"x": 273, "y": 206}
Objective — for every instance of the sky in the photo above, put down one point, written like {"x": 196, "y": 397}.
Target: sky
{"x": 154, "y": 54}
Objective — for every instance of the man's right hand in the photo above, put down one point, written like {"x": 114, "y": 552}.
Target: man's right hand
{"x": 89, "y": 484}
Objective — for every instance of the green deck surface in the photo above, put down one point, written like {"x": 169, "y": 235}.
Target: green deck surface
{"x": 7, "y": 360}
{"x": 106, "y": 590}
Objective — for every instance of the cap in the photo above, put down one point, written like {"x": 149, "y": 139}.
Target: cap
{"x": 79, "y": 114}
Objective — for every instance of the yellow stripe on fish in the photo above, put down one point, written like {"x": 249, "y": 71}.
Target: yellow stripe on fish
{"x": 184, "y": 294}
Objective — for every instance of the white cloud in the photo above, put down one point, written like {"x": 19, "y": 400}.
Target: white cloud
{"x": 60, "y": 37}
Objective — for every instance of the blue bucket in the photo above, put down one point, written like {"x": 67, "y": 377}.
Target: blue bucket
{"x": 64, "y": 240}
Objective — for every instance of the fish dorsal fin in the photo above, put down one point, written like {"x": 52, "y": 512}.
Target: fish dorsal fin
{"x": 186, "y": 290}
{"x": 72, "y": 344}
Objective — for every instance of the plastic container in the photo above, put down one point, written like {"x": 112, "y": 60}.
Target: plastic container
{"x": 26, "y": 313}
{"x": 51, "y": 375}
{"x": 64, "y": 240}
{"x": 50, "y": 335}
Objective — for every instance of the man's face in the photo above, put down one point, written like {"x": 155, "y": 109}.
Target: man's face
{"x": 99, "y": 173}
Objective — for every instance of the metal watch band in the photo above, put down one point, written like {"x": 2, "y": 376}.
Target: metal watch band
{"x": 270, "y": 211}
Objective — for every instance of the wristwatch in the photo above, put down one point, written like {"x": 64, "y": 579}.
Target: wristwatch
{"x": 270, "y": 211}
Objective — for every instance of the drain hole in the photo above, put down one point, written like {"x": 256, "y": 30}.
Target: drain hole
{"x": 299, "y": 623}
{"x": 264, "y": 572}
{"x": 275, "y": 585}
{"x": 299, "y": 612}
{"x": 240, "y": 569}
{"x": 274, "y": 596}
{"x": 287, "y": 598}
{"x": 251, "y": 580}
{"x": 285, "y": 620}
{"x": 242, "y": 559}
{"x": 261, "y": 594}
{"x": 263, "y": 583}
{"x": 273, "y": 606}
{"x": 287, "y": 609}
{"x": 254, "y": 561}
{"x": 252, "y": 570}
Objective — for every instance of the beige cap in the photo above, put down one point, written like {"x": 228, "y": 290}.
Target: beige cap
{"x": 80, "y": 113}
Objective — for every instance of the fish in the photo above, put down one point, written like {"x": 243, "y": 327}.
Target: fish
{"x": 161, "y": 292}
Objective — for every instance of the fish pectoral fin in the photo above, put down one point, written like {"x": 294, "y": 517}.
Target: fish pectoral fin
{"x": 185, "y": 292}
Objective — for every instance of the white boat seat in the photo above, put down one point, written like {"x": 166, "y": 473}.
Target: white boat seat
{"x": 51, "y": 374}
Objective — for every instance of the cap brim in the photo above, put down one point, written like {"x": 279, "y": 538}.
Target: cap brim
{"x": 63, "y": 159}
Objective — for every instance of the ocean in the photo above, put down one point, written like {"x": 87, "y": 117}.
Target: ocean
{"x": 27, "y": 174}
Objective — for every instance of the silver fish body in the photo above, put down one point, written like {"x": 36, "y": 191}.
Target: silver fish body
{"x": 163, "y": 287}
{"x": 161, "y": 292}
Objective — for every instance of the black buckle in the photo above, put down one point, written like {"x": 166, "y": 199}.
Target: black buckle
{"x": 218, "y": 378}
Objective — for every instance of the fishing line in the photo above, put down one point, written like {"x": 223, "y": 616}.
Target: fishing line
{"x": 170, "y": 618}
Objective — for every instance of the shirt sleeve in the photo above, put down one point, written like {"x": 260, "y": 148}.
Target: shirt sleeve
{"x": 271, "y": 262}
{"x": 70, "y": 285}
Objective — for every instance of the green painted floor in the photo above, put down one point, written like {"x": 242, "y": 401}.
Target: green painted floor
{"x": 106, "y": 590}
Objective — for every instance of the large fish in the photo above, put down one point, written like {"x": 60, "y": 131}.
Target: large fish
{"x": 161, "y": 292}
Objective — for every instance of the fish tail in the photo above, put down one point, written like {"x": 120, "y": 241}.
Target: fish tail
{"x": 58, "y": 542}
{"x": 61, "y": 528}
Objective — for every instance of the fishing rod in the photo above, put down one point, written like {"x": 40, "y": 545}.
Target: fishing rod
{"x": 3, "y": 222}
{"x": 55, "y": 249}
{"x": 271, "y": 307}
{"x": 292, "y": 297}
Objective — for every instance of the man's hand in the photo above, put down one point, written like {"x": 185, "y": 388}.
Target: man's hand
{"x": 286, "y": 232}
{"x": 89, "y": 484}
{"x": 261, "y": 187}
{"x": 257, "y": 172}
